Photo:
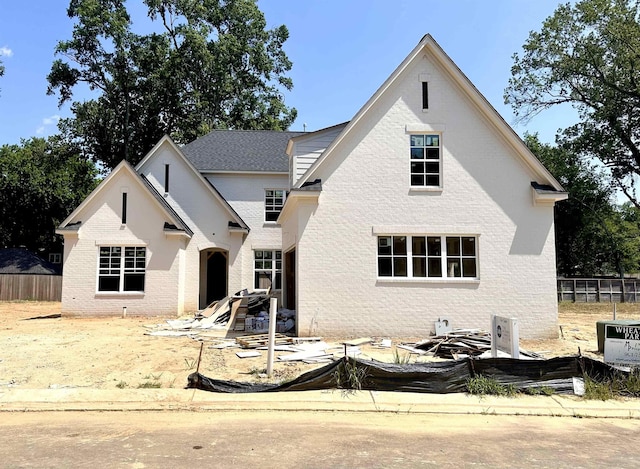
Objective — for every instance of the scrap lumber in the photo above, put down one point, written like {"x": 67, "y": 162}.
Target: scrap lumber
{"x": 259, "y": 340}
{"x": 249, "y": 354}
{"x": 356, "y": 342}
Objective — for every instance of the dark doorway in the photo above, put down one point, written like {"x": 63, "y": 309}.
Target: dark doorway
{"x": 216, "y": 276}
{"x": 290, "y": 278}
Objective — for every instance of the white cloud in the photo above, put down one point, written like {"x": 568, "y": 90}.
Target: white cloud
{"x": 6, "y": 51}
{"x": 47, "y": 122}
{"x": 51, "y": 120}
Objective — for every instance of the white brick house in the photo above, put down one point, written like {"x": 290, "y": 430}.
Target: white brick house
{"x": 425, "y": 205}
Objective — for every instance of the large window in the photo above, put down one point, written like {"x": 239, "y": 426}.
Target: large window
{"x": 427, "y": 256}
{"x": 267, "y": 270}
{"x": 426, "y": 162}
{"x": 273, "y": 203}
{"x": 121, "y": 269}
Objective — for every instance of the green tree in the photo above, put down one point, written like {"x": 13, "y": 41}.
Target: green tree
{"x": 587, "y": 229}
{"x": 213, "y": 64}
{"x": 41, "y": 182}
{"x": 588, "y": 55}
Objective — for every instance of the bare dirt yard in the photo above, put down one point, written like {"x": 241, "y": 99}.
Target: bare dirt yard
{"x": 103, "y": 353}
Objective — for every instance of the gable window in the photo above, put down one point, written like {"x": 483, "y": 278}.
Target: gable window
{"x": 428, "y": 256}
{"x": 273, "y": 203}
{"x": 121, "y": 269}
{"x": 426, "y": 161}
{"x": 124, "y": 208}
{"x": 166, "y": 178}
{"x": 425, "y": 95}
{"x": 267, "y": 270}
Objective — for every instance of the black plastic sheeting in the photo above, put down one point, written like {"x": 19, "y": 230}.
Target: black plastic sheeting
{"x": 436, "y": 377}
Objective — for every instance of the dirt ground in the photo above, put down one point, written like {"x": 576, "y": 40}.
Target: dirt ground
{"x": 105, "y": 353}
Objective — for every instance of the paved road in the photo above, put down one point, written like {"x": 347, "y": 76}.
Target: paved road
{"x": 312, "y": 440}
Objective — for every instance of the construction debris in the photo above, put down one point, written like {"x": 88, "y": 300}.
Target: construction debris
{"x": 260, "y": 340}
{"x": 458, "y": 343}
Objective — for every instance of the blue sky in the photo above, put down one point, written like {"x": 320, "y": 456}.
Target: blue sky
{"x": 342, "y": 51}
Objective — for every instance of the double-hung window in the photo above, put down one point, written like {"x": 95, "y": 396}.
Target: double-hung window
{"x": 267, "y": 270}
{"x": 273, "y": 203}
{"x": 426, "y": 160}
{"x": 427, "y": 256}
{"x": 121, "y": 269}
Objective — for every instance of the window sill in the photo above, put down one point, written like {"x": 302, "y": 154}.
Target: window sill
{"x": 425, "y": 189}
{"x": 118, "y": 294}
{"x": 448, "y": 280}
{"x": 270, "y": 224}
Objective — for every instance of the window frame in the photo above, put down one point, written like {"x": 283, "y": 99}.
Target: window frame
{"x": 432, "y": 261}
{"x": 274, "y": 272}
{"x": 425, "y": 160}
{"x": 123, "y": 263}
{"x": 273, "y": 207}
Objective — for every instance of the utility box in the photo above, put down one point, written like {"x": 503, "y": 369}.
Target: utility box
{"x": 601, "y": 327}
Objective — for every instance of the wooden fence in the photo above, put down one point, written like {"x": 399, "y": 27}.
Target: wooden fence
{"x": 30, "y": 287}
{"x": 596, "y": 290}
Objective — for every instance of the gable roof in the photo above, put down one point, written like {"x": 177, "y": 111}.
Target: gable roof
{"x": 428, "y": 44}
{"x": 241, "y": 151}
{"x": 216, "y": 194}
{"x": 66, "y": 226}
{"x": 23, "y": 261}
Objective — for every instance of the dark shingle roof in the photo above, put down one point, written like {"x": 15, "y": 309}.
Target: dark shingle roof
{"x": 240, "y": 150}
{"x": 23, "y": 261}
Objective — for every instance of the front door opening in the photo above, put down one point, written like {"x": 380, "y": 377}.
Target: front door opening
{"x": 215, "y": 266}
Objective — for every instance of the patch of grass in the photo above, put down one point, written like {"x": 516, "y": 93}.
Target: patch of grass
{"x": 486, "y": 386}
{"x": 190, "y": 363}
{"x": 620, "y": 384}
{"x": 539, "y": 391}
{"x": 349, "y": 377}
{"x": 595, "y": 390}
{"x": 122, "y": 385}
{"x": 401, "y": 359}
{"x": 150, "y": 385}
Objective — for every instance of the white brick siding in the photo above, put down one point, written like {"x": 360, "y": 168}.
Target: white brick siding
{"x": 486, "y": 192}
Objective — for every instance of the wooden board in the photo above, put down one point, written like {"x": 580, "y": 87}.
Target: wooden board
{"x": 258, "y": 340}
{"x": 356, "y": 342}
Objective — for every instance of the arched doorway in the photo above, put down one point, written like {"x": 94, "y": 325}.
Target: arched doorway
{"x": 213, "y": 276}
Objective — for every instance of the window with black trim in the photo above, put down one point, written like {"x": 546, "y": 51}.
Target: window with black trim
{"x": 121, "y": 269}
{"x": 426, "y": 164}
{"x": 273, "y": 203}
{"x": 427, "y": 256}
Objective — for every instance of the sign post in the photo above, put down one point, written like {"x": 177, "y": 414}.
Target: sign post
{"x": 504, "y": 336}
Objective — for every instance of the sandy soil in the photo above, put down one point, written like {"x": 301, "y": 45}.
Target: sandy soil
{"x": 107, "y": 353}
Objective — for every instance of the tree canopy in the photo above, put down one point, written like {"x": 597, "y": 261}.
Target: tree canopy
{"x": 588, "y": 55}
{"x": 213, "y": 64}
{"x": 593, "y": 235}
{"x": 41, "y": 182}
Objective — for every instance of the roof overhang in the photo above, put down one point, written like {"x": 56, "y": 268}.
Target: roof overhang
{"x": 310, "y": 192}
{"x": 544, "y": 194}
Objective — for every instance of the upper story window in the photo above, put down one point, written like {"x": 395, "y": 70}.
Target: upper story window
{"x": 427, "y": 256}
{"x": 273, "y": 203}
{"x": 121, "y": 269}
{"x": 426, "y": 160}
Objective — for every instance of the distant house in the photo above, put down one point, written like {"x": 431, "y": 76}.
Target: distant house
{"x": 21, "y": 261}
{"x": 26, "y": 276}
{"x": 425, "y": 205}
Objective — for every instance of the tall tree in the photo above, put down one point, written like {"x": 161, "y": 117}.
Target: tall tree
{"x": 590, "y": 238}
{"x": 41, "y": 182}
{"x": 213, "y": 64}
{"x": 588, "y": 55}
